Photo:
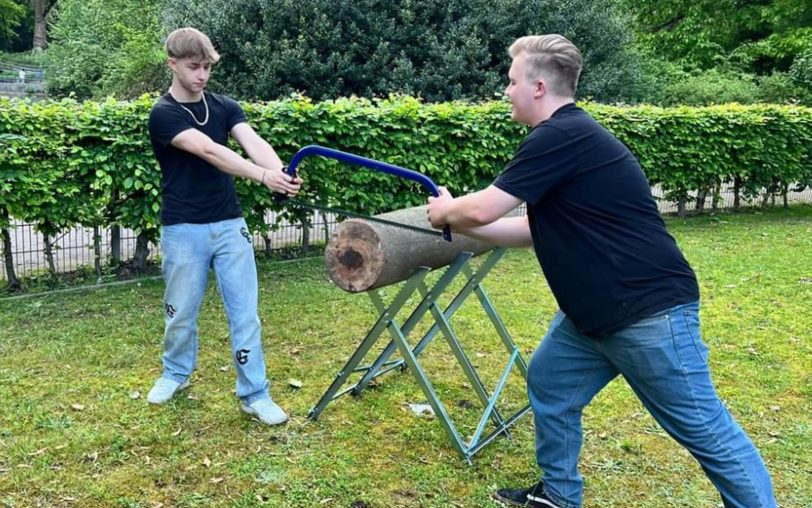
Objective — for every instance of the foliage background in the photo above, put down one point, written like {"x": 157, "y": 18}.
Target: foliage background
{"x": 666, "y": 52}
{"x": 437, "y": 49}
{"x": 90, "y": 162}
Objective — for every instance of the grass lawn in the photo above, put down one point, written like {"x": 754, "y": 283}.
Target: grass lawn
{"x": 76, "y": 430}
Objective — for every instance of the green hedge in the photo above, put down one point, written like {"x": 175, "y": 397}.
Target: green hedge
{"x": 67, "y": 163}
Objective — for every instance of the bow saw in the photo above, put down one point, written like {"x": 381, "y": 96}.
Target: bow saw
{"x": 357, "y": 160}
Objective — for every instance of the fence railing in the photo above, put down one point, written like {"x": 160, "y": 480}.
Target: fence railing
{"x": 17, "y": 79}
{"x": 31, "y": 73}
{"x": 76, "y": 249}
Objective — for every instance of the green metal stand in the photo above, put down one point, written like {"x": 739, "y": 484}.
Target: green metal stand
{"x": 409, "y": 355}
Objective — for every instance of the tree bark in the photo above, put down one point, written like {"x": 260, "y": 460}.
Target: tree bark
{"x": 49, "y": 255}
{"x": 364, "y": 255}
{"x": 11, "y": 275}
{"x": 141, "y": 253}
{"x": 8, "y": 256}
{"x": 304, "y": 221}
{"x": 42, "y": 8}
{"x": 736, "y": 192}
{"x": 765, "y": 199}
{"x": 326, "y": 223}
{"x": 717, "y": 196}
{"x": 701, "y": 196}
{"x": 97, "y": 251}
{"x": 681, "y": 206}
{"x": 115, "y": 243}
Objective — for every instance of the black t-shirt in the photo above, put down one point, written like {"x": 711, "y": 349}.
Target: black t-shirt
{"x": 194, "y": 191}
{"x": 597, "y": 233}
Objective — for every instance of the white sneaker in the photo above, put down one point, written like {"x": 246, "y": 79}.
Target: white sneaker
{"x": 267, "y": 411}
{"x": 164, "y": 389}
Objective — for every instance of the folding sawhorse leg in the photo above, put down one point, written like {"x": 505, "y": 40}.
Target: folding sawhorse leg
{"x": 382, "y": 365}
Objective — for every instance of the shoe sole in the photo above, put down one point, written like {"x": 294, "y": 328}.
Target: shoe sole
{"x": 509, "y": 502}
{"x": 503, "y": 501}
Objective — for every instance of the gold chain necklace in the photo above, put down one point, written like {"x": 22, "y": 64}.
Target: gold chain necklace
{"x": 205, "y": 104}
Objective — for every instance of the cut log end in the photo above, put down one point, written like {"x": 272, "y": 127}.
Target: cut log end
{"x": 354, "y": 257}
{"x": 366, "y": 255}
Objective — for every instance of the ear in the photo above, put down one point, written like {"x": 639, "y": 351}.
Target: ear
{"x": 171, "y": 63}
{"x": 540, "y": 90}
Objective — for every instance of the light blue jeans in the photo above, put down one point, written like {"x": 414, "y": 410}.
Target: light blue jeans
{"x": 189, "y": 251}
{"x": 665, "y": 362}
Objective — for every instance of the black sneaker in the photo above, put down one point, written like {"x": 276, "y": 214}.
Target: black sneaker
{"x": 532, "y": 496}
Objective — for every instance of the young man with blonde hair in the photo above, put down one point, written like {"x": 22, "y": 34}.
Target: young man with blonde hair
{"x": 201, "y": 221}
{"x": 629, "y": 301}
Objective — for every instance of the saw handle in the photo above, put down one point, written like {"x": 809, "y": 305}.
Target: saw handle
{"x": 366, "y": 162}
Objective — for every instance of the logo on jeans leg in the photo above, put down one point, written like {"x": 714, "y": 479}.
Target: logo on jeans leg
{"x": 242, "y": 356}
{"x": 170, "y": 310}
{"x": 244, "y": 232}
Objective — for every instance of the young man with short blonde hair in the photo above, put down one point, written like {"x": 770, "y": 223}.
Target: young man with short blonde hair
{"x": 628, "y": 299}
{"x": 553, "y": 57}
{"x": 191, "y": 43}
{"x": 201, "y": 221}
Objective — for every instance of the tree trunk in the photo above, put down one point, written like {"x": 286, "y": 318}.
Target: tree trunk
{"x": 141, "y": 253}
{"x": 736, "y": 192}
{"x": 11, "y": 275}
{"x": 49, "y": 255}
{"x": 681, "y": 206}
{"x": 42, "y": 8}
{"x": 97, "y": 251}
{"x": 303, "y": 220}
{"x": 8, "y": 255}
{"x": 717, "y": 196}
{"x": 365, "y": 255}
{"x": 115, "y": 243}
{"x": 326, "y": 223}
{"x": 701, "y": 196}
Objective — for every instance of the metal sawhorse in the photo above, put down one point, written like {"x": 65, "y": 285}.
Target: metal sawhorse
{"x": 409, "y": 355}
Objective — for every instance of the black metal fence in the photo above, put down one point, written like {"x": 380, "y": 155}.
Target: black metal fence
{"x": 76, "y": 249}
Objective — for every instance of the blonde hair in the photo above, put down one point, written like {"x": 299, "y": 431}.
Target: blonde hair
{"x": 553, "y": 57}
{"x": 191, "y": 43}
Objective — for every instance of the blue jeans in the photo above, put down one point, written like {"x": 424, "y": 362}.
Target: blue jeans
{"x": 189, "y": 250}
{"x": 665, "y": 362}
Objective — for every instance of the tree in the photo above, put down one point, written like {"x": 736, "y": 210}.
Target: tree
{"x": 6, "y": 168}
{"x": 42, "y": 10}
{"x": 758, "y": 35}
{"x": 11, "y": 17}
{"x": 715, "y": 50}
{"x": 106, "y": 47}
{"x": 437, "y": 49}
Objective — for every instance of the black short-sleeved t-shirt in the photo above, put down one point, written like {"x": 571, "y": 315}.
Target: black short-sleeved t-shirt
{"x": 597, "y": 233}
{"x": 194, "y": 191}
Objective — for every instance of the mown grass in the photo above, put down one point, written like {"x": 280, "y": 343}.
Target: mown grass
{"x": 75, "y": 429}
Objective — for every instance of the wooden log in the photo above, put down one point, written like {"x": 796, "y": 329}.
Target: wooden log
{"x": 363, "y": 255}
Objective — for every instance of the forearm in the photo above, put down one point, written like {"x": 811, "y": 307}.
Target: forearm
{"x": 228, "y": 161}
{"x": 505, "y": 232}
{"x": 466, "y": 213}
{"x": 263, "y": 154}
